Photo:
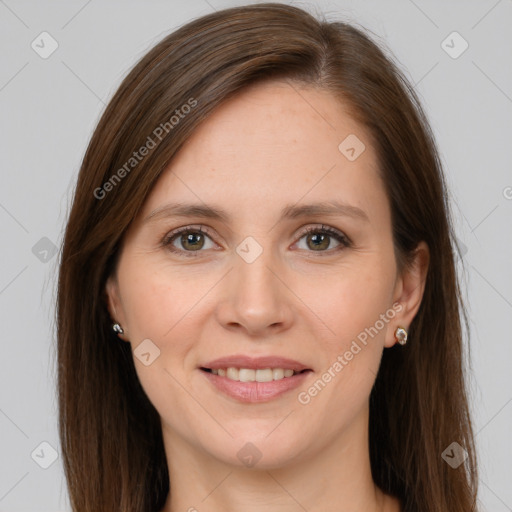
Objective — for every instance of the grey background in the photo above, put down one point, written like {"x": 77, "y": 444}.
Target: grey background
{"x": 50, "y": 106}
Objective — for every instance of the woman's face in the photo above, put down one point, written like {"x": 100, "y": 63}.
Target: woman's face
{"x": 255, "y": 291}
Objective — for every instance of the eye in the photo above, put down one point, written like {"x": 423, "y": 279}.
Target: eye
{"x": 191, "y": 239}
{"x": 319, "y": 239}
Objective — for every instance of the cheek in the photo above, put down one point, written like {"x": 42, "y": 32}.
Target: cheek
{"x": 168, "y": 306}
{"x": 356, "y": 308}
{"x": 159, "y": 306}
{"x": 156, "y": 299}
{"x": 351, "y": 301}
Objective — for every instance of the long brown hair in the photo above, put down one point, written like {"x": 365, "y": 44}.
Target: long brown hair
{"x": 110, "y": 433}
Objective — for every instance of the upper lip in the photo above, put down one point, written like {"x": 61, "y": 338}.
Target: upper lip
{"x": 241, "y": 361}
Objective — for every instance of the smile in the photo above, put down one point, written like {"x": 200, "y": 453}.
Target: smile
{"x": 253, "y": 375}
{"x": 254, "y": 380}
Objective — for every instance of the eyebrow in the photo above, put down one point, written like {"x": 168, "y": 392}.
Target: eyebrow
{"x": 291, "y": 211}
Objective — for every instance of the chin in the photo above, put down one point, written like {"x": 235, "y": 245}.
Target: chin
{"x": 264, "y": 449}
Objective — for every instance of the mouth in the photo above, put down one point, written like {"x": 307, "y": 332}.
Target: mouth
{"x": 253, "y": 374}
{"x": 254, "y": 379}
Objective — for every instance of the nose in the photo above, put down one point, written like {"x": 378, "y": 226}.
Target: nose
{"x": 256, "y": 298}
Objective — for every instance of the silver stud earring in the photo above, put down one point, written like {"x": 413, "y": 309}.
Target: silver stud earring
{"x": 117, "y": 328}
{"x": 401, "y": 335}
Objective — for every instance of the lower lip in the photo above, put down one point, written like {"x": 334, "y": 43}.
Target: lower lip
{"x": 254, "y": 392}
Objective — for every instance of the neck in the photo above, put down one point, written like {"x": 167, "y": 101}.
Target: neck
{"x": 338, "y": 478}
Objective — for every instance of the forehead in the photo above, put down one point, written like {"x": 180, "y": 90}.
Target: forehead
{"x": 274, "y": 143}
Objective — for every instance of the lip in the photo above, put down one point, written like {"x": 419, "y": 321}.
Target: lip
{"x": 255, "y": 392}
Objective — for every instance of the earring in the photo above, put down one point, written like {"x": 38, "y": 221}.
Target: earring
{"x": 401, "y": 335}
{"x": 117, "y": 328}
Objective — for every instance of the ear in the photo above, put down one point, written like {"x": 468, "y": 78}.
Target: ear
{"x": 408, "y": 292}
{"x": 114, "y": 305}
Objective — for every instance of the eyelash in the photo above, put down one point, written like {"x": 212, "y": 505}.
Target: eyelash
{"x": 343, "y": 240}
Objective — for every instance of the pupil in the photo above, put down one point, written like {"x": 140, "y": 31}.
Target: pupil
{"x": 320, "y": 239}
{"x": 190, "y": 239}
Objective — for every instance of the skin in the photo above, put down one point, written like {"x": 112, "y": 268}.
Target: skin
{"x": 270, "y": 146}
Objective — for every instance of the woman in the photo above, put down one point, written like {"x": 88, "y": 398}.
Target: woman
{"x": 258, "y": 307}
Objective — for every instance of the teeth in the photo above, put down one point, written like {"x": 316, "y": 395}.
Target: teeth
{"x": 252, "y": 375}
{"x": 277, "y": 373}
{"x": 265, "y": 375}
{"x": 233, "y": 374}
{"x": 245, "y": 375}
